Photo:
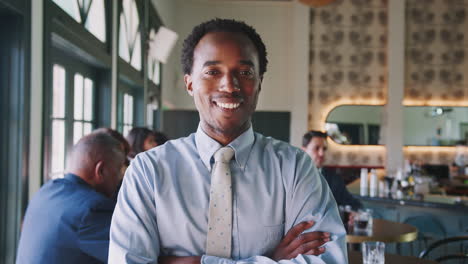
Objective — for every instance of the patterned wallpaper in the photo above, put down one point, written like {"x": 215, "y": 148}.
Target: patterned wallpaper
{"x": 436, "y": 52}
{"x": 436, "y": 63}
{"x": 348, "y": 65}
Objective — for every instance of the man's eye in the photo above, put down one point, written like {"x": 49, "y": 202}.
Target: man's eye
{"x": 212, "y": 72}
{"x": 248, "y": 73}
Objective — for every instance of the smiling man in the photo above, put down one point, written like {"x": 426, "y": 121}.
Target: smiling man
{"x": 225, "y": 194}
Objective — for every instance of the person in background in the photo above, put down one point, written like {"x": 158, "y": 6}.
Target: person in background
{"x": 160, "y": 138}
{"x": 225, "y": 194}
{"x": 124, "y": 145}
{"x": 140, "y": 139}
{"x": 123, "y": 142}
{"x": 68, "y": 219}
{"x": 315, "y": 144}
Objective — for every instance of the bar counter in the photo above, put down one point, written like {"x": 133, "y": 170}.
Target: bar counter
{"x": 435, "y": 216}
{"x": 430, "y": 201}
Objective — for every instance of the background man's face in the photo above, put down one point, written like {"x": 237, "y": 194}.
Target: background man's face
{"x": 225, "y": 82}
{"x": 317, "y": 149}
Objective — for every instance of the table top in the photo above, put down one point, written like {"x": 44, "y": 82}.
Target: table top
{"x": 386, "y": 231}
{"x": 355, "y": 257}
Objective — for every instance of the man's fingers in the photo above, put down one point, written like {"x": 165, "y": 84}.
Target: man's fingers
{"x": 299, "y": 247}
{"x": 317, "y": 237}
{"x": 295, "y": 231}
{"x": 310, "y": 248}
{"x": 315, "y": 252}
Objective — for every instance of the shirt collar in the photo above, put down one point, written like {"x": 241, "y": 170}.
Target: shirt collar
{"x": 242, "y": 145}
{"x": 75, "y": 179}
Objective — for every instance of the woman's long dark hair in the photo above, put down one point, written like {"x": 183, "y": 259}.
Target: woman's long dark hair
{"x": 136, "y": 138}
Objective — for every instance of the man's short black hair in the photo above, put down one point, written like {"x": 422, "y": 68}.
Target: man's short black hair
{"x": 222, "y": 25}
{"x": 311, "y": 134}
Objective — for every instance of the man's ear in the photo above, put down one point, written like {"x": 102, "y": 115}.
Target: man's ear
{"x": 188, "y": 83}
{"x": 99, "y": 172}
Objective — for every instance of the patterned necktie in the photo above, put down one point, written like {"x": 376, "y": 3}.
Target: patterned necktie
{"x": 218, "y": 242}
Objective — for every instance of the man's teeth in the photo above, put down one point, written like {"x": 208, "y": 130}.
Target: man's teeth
{"x": 228, "y": 106}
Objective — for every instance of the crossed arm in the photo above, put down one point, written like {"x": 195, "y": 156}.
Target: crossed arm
{"x": 293, "y": 244}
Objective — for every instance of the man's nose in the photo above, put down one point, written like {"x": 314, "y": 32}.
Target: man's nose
{"x": 230, "y": 83}
{"x": 321, "y": 153}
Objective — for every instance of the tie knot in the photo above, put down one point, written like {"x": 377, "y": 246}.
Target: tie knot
{"x": 224, "y": 155}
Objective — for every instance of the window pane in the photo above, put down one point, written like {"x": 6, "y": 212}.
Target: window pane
{"x": 54, "y": 176}
{"x": 130, "y": 109}
{"x": 96, "y": 21}
{"x": 58, "y": 94}
{"x": 129, "y": 37}
{"x": 136, "y": 55}
{"x": 131, "y": 14}
{"x": 126, "y": 129}
{"x": 78, "y": 99}
{"x": 150, "y": 68}
{"x": 88, "y": 100}
{"x": 77, "y": 131}
{"x": 156, "y": 75}
{"x": 124, "y": 109}
{"x": 123, "y": 42}
{"x": 71, "y": 7}
{"x": 58, "y": 146}
{"x": 87, "y": 128}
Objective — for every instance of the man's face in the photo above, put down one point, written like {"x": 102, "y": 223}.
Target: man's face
{"x": 224, "y": 83}
{"x": 317, "y": 149}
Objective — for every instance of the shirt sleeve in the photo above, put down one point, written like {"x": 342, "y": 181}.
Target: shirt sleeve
{"x": 93, "y": 232}
{"x": 309, "y": 198}
{"x": 134, "y": 236}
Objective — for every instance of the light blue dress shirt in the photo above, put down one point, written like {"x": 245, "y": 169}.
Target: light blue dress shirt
{"x": 162, "y": 207}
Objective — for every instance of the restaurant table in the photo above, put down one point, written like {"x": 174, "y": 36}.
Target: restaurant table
{"x": 385, "y": 231}
{"x": 355, "y": 257}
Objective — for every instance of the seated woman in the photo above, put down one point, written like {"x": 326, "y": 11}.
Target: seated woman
{"x": 142, "y": 139}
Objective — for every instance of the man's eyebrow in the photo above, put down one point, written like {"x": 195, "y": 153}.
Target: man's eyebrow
{"x": 209, "y": 63}
{"x": 244, "y": 62}
{"x": 247, "y": 62}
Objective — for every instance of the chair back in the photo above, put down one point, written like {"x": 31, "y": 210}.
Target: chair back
{"x": 430, "y": 229}
{"x": 459, "y": 252}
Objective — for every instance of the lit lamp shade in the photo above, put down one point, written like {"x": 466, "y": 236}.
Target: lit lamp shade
{"x": 316, "y": 3}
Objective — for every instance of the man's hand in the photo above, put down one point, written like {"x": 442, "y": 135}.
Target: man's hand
{"x": 295, "y": 243}
{"x": 179, "y": 260}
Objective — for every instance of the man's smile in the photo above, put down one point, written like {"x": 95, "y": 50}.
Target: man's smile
{"x": 227, "y": 106}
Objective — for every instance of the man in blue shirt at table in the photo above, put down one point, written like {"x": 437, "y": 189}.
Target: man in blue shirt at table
{"x": 281, "y": 209}
{"x": 68, "y": 220}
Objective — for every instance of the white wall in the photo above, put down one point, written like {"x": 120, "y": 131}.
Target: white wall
{"x": 283, "y": 27}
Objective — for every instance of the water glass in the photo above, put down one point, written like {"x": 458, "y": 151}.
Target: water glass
{"x": 373, "y": 252}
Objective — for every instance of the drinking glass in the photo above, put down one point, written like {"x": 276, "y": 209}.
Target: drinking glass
{"x": 363, "y": 222}
{"x": 373, "y": 252}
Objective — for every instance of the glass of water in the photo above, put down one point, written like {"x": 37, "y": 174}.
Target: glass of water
{"x": 373, "y": 252}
